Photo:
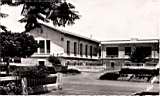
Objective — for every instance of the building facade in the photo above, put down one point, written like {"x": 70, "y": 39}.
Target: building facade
{"x": 85, "y": 53}
{"x": 70, "y": 48}
{"x": 115, "y": 53}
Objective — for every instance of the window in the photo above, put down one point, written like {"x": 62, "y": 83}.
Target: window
{"x": 148, "y": 51}
{"x": 112, "y": 64}
{"x": 127, "y": 50}
{"x": 81, "y": 49}
{"x": 99, "y": 50}
{"x": 37, "y": 48}
{"x": 41, "y": 46}
{"x": 91, "y": 51}
{"x": 112, "y": 51}
{"x": 67, "y": 63}
{"x": 1, "y": 60}
{"x": 62, "y": 39}
{"x": 75, "y": 48}
{"x": 86, "y": 50}
{"x": 68, "y": 47}
{"x": 157, "y": 47}
{"x": 95, "y": 51}
{"x": 145, "y": 51}
{"x": 48, "y": 46}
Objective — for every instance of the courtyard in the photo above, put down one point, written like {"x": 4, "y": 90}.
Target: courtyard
{"x": 88, "y": 84}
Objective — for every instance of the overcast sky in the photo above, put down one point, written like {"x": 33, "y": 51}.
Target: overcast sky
{"x": 106, "y": 19}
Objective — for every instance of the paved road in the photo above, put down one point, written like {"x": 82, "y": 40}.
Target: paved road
{"x": 88, "y": 84}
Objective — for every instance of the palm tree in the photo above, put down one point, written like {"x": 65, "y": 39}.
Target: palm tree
{"x": 60, "y": 12}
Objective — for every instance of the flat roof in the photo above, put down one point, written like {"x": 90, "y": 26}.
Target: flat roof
{"x": 130, "y": 41}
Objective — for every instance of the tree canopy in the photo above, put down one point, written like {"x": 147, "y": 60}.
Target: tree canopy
{"x": 139, "y": 54}
{"x": 17, "y": 45}
{"x": 60, "y": 12}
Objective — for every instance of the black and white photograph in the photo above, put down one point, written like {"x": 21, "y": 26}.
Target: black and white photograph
{"x": 80, "y": 47}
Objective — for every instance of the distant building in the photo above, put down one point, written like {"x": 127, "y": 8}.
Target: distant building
{"x": 72, "y": 49}
{"x": 115, "y": 53}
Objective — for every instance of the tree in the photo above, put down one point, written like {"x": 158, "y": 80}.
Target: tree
{"x": 54, "y": 60}
{"x": 16, "y": 45}
{"x": 60, "y": 12}
{"x": 139, "y": 54}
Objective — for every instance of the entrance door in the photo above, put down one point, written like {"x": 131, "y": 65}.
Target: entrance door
{"x": 112, "y": 64}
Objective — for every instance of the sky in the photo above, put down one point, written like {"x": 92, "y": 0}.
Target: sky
{"x": 105, "y": 19}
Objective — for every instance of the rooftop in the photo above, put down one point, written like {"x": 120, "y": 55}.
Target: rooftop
{"x": 130, "y": 41}
{"x": 71, "y": 33}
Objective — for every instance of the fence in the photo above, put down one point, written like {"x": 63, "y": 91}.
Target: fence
{"x": 33, "y": 86}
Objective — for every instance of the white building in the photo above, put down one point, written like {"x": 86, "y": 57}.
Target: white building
{"x": 72, "y": 49}
{"x": 115, "y": 53}
{"x": 76, "y": 50}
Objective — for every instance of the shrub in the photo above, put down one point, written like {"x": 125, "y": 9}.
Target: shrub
{"x": 110, "y": 76}
{"x": 11, "y": 88}
{"x": 153, "y": 72}
{"x": 32, "y": 72}
{"x": 2, "y": 91}
{"x": 139, "y": 54}
{"x": 51, "y": 70}
{"x": 54, "y": 60}
{"x": 71, "y": 71}
{"x": 147, "y": 93}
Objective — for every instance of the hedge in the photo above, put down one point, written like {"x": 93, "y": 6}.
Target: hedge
{"x": 71, "y": 71}
{"x": 110, "y": 76}
{"x": 153, "y": 72}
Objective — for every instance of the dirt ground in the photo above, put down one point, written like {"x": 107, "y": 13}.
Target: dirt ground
{"x": 88, "y": 84}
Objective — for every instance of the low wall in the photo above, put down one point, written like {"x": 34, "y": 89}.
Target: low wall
{"x": 88, "y": 68}
{"x": 119, "y": 62}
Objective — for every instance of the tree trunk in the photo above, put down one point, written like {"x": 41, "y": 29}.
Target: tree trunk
{"x": 8, "y": 67}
